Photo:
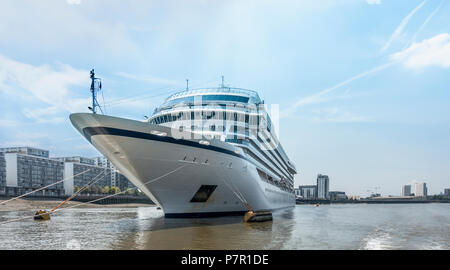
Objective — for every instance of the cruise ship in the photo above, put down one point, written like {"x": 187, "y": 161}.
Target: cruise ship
{"x": 204, "y": 152}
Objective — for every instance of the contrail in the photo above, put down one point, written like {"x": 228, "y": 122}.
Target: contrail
{"x": 401, "y": 26}
{"x": 313, "y": 98}
{"x": 425, "y": 23}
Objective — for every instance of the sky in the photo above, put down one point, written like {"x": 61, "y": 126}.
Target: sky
{"x": 362, "y": 85}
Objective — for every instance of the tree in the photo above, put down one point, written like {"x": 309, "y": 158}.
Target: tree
{"x": 106, "y": 190}
{"x": 114, "y": 190}
{"x": 96, "y": 190}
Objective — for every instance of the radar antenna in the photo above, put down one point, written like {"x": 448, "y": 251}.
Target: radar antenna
{"x": 96, "y": 85}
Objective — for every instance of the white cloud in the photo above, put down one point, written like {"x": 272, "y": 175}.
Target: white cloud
{"x": 337, "y": 115}
{"x": 6, "y": 123}
{"x": 21, "y": 138}
{"x": 430, "y": 52}
{"x": 59, "y": 26}
{"x": 73, "y": 2}
{"x": 373, "y": 2}
{"x": 148, "y": 79}
{"x": 398, "y": 31}
{"x": 50, "y": 86}
{"x": 21, "y": 142}
{"x": 50, "y": 114}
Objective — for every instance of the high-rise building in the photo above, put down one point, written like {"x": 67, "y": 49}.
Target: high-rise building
{"x": 447, "y": 192}
{"x": 2, "y": 174}
{"x": 25, "y": 169}
{"x": 420, "y": 189}
{"x": 109, "y": 175}
{"x": 117, "y": 179}
{"x": 105, "y": 163}
{"x": 308, "y": 191}
{"x": 26, "y": 150}
{"x": 406, "y": 190}
{"x": 29, "y": 169}
{"x": 122, "y": 182}
{"x": 323, "y": 186}
{"x": 77, "y": 159}
{"x": 81, "y": 171}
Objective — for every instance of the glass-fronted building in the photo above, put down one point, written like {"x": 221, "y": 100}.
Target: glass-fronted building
{"x": 2, "y": 174}
{"x": 420, "y": 189}
{"x": 26, "y": 150}
{"x": 77, "y": 159}
{"x": 80, "y": 174}
{"x": 117, "y": 179}
{"x": 123, "y": 183}
{"x": 323, "y": 187}
{"x": 27, "y": 171}
{"x": 406, "y": 190}
{"x": 308, "y": 191}
{"x": 337, "y": 195}
{"x": 97, "y": 171}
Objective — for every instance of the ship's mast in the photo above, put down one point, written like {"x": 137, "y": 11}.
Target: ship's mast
{"x": 96, "y": 85}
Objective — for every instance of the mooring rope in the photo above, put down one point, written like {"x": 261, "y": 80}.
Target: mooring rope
{"x": 31, "y": 192}
{"x": 236, "y": 192}
{"x": 84, "y": 187}
{"x": 95, "y": 200}
{"x": 93, "y": 181}
{"x": 126, "y": 190}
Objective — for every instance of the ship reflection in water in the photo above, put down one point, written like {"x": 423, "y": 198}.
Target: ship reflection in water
{"x": 352, "y": 226}
{"x": 208, "y": 233}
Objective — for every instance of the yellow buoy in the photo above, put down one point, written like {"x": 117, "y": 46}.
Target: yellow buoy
{"x": 42, "y": 215}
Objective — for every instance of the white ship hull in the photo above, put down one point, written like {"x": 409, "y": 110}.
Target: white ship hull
{"x": 171, "y": 171}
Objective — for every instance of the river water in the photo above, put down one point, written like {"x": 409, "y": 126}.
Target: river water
{"x": 345, "y": 226}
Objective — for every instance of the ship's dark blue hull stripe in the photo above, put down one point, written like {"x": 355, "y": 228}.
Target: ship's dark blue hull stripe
{"x": 92, "y": 131}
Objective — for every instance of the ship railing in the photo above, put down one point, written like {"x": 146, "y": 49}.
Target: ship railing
{"x": 211, "y": 106}
{"x": 250, "y": 93}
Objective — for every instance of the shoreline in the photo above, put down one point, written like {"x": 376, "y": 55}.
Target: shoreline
{"x": 26, "y": 204}
{"x": 305, "y": 202}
